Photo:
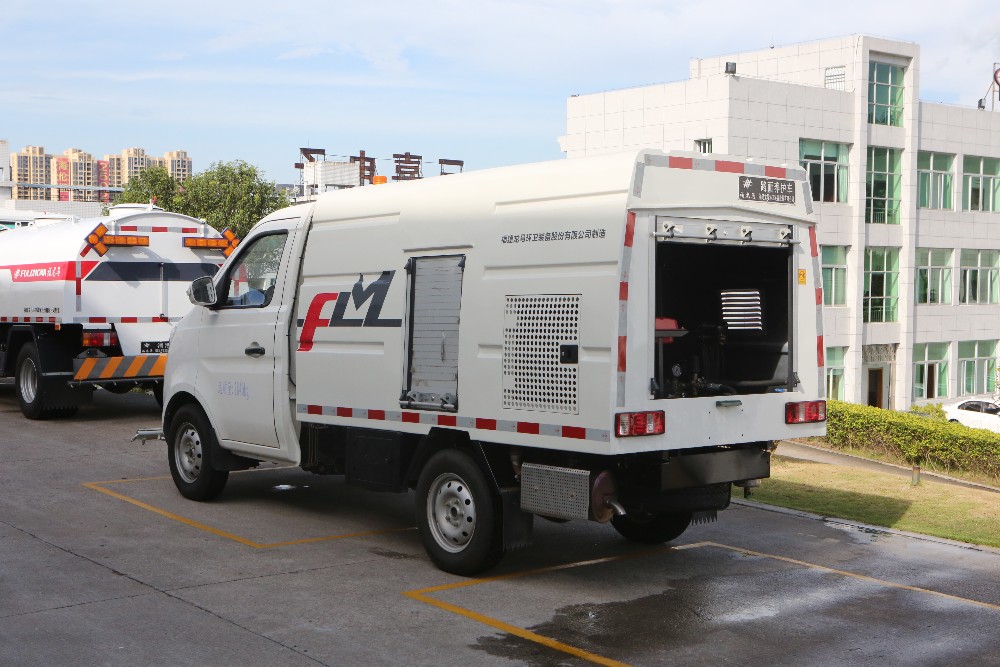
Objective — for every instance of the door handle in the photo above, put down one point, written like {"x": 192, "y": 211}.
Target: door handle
{"x": 254, "y": 350}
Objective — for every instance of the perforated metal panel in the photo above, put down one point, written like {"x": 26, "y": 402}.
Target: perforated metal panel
{"x": 535, "y": 326}
{"x": 557, "y": 492}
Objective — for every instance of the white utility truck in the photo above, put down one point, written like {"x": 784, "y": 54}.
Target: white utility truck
{"x": 86, "y": 302}
{"x": 617, "y": 338}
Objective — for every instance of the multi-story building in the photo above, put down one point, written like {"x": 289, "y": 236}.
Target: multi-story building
{"x": 30, "y": 170}
{"x": 6, "y": 181}
{"x": 178, "y": 165}
{"x": 77, "y": 176}
{"x": 907, "y": 196}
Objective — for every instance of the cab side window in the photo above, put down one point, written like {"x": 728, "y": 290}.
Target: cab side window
{"x": 250, "y": 283}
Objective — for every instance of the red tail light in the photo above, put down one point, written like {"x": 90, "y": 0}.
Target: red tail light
{"x": 99, "y": 338}
{"x": 805, "y": 412}
{"x": 639, "y": 423}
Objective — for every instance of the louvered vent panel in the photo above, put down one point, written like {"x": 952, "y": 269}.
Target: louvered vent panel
{"x": 741, "y": 310}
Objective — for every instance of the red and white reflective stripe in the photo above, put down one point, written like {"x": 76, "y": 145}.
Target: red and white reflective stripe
{"x": 30, "y": 320}
{"x": 725, "y": 166}
{"x": 123, "y": 320}
{"x": 626, "y": 264}
{"x": 148, "y": 229}
{"x": 458, "y": 421}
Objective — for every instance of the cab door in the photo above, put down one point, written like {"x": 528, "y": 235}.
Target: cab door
{"x": 238, "y": 344}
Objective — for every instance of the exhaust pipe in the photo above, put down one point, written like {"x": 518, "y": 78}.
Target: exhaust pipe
{"x": 604, "y": 499}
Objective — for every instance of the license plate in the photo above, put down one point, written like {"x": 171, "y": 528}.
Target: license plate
{"x": 154, "y": 347}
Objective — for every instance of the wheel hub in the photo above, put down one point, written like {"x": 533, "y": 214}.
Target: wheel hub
{"x": 451, "y": 512}
{"x": 28, "y": 383}
{"x": 188, "y": 454}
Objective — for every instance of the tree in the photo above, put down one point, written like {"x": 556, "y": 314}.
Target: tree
{"x": 147, "y": 184}
{"x": 229, "y": 194}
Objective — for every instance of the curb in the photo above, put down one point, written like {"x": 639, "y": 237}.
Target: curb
{"x": 866, "y": 527}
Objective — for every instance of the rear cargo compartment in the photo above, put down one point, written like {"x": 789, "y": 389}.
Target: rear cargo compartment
{"x": 722, "y": 319}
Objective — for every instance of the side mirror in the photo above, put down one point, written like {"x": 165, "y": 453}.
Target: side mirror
{"x": 201, "y": 292}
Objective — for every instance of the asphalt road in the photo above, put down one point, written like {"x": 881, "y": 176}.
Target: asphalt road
{"x": 102, "y": 562}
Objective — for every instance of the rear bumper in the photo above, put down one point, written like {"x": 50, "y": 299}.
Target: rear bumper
{"x": 686, "y": 471}
{"x": 118, "y": 369}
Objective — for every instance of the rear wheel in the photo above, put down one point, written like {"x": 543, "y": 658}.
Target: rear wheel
{"x": 458, "y": 514}
{"x": 189, "y": 445}
{"x": 653, "y": 528}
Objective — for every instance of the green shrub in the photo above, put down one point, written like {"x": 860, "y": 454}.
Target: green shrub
{"x": 914, "y": 438}
{"x": 932, "y": 411}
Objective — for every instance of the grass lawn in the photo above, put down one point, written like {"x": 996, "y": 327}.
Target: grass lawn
{"x": 883, "y": 499}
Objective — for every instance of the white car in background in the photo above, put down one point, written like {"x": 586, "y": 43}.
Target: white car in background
{"x": 975, "y": 412}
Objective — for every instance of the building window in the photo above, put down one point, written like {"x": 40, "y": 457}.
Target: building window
{"x": 980, "y": 269}
{"x": 934, "y": 180}
{"x": 881, "y": 284}
{"x": 930, "y": 370}
{"x": 933, "y": 275}
{"x": 835, "y": 373}
{"x": 977, "y": 367}
{"x": 834, "y": 275}
{"x": 980, "y": 184}
{"x": 883, "y": 185}
{"x": 885, "y": 94}
{"x": 703, "y": 145}
{"x": 835, "y": 78}
{"x": 826, "y": 166}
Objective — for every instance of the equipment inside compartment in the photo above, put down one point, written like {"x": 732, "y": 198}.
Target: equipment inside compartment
{"x": 722, "y": 320}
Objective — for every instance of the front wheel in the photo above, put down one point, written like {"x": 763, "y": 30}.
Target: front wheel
{"x": 458, "y": 514}
{"x": 653, "y": 528}
{"x": 189, "y": 446}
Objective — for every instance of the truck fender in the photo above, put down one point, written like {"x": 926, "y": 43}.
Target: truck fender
{"x": 219, "y": 457}
{"x": 516, "y": 525}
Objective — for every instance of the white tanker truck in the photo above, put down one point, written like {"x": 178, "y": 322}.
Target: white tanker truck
{"x": 87, "y": 302}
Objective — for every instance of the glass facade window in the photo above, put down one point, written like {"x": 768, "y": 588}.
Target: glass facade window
{"x": 883, "y": 186}
{"x": 825, "y": 163}
{"x": 980, "y": 184}
{"x": 977, "y": 367}
{"x": 979, "y": 279}
{"x": 930, "y": 370}
{"x": 834, "y": 275}
{"x": 835, "y": 373}
{"x": 881, "y": 284}
{"x": 885, "y": 94}
{"x": 934, "y": 180}
{"x": 933, "y": 275}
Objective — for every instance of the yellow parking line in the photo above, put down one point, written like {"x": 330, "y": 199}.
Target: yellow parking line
{"x": 855, "y": 575}
{"x": 99, "y": 486}
{"x": 424, "y": 594}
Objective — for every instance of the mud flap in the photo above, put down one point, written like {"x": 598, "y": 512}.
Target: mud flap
{"x": 517, "y": 525}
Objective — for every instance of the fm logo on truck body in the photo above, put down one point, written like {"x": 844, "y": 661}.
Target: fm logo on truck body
{"x": 359, "y": 295}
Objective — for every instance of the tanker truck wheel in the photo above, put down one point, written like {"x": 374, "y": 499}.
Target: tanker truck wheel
{"x": 653, "y": 528}
{"x": 458, "y": 514}
{"x": 28, "y": 383}
{"x": 189, "y": 444}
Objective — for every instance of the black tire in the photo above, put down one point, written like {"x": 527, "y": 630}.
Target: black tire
{"x": 190, "y": 442}
{"x": 652, "y": 528}
{"x": 458, "y": 514}
{"x": 29, "y": 386}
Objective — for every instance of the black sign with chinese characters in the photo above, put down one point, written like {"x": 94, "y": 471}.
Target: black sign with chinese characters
{"x": 154, "y": 346}
{"x": 773, "y": 190}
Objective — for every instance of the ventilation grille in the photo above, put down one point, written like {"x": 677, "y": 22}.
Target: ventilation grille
{"x": 534, "y": 328}
{"x": 741, "y": 310}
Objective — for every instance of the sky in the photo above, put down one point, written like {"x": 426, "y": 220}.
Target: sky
{"x": 480, "y": 81}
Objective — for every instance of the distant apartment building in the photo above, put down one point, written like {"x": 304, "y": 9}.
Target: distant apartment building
{"x": 906, "y": 192}
{"x": 77, "y": 176}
